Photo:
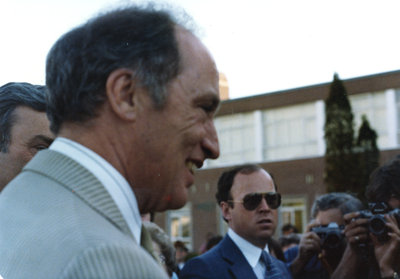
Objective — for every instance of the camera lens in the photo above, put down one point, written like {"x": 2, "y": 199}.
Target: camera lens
{"x": 332, "y": 240}
{"x": 377, "y": 225}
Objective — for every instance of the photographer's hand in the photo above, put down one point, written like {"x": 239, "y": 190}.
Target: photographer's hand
{"x": 388, "y": 252}
{"x": 355, "y": 232}
{"x": 308, "y": 247}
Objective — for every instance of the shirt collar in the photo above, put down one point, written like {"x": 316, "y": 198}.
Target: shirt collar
{"x": 112, "y": 180}
{"x": 251, "y": 252}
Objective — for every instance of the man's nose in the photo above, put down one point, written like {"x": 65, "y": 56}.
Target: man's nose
{"x": 263, "y": 205}
{"x": 210, "y": 142}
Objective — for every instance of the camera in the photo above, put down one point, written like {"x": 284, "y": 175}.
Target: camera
{"x": 331, "y": 236}
{"x": 376, "y": 216}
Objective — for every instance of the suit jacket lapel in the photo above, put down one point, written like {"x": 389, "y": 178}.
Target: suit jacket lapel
{"x": 239, "y": 266}
{"x": 81, "y": 182}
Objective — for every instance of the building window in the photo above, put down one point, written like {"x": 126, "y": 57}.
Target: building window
{"x": 293, "y": 211}
{"x": 290, "y": 132}
{"x": 373, "y": 105}
{"x": 236, "y": 134}
{"x": 179, "y": 225}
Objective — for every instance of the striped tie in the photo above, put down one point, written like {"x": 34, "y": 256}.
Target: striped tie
{"x": 271, "y": 270}
{"x": 146, "y": 242}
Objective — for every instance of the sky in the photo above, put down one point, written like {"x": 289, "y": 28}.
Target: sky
{"x": 261, "y": 46}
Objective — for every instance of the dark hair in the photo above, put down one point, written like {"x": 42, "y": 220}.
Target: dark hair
{"x": 289, "y": 239}
{"x": 346, "y": 203}
{"x": 138, "y": 38}
{"x": 384, "y": 182}
{"x": 276, "y": 249}
{"x": 16, "y": 94}
{"x": 225, "y": 181}
{"x": 213, "y": 241}
{"x": 289, "y": 228}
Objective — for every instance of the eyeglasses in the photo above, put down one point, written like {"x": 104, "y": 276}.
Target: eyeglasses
{"x": 253, "y": 200}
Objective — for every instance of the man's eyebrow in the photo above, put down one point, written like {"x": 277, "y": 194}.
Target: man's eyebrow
{"x": 44, "y": 138}
{"x": 212, "y": 99}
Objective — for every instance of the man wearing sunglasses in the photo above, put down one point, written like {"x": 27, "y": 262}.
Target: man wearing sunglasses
{"x": 249, "y": 201}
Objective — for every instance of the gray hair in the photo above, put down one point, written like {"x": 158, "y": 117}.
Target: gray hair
{"x": 16, "y": 94}
{"x": 346, "y": 203}
{"x": 142, "y": 39}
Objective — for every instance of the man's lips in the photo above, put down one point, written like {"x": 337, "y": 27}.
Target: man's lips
{"x": 264, "y": 221}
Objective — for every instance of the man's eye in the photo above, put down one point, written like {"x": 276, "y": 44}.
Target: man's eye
{"x": 208, "y": 108}
{"x": 41, "y": 147}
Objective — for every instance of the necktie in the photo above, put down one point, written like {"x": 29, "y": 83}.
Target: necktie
{"x": 146, "y": 242}
{"x": 271, "y": 270}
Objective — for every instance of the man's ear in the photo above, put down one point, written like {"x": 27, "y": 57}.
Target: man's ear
{"x": 120, "y": 90}
{"x": 226, "y": 210}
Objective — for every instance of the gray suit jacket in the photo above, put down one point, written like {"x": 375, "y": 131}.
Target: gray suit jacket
{"x": 58, "y": 221}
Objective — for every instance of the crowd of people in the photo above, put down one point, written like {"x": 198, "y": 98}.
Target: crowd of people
{"x": 116, "y": 134}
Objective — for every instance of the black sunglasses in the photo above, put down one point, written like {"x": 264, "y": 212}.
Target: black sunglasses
{"x": 253, "y": 200}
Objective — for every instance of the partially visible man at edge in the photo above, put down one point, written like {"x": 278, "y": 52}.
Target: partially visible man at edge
{"x": 132, "y": 96}
{"x": 24, "y": 127}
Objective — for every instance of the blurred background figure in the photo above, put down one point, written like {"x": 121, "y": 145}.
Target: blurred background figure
{"x": 202, "y": 248}
{"x": 275, "y": 249}
{"x": 289, "y": 241}
{"x": 384, "y": 184}
{"x": 212, "y": 242}
{"x": 289, "y": 229}
{"x": 181, "y": 253}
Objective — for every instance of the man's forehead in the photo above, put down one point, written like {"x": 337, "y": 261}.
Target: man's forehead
{"x": 191, "y": 48}
{"x": 257, "y": 181}
{"x": 30, "y": 122}
{"x": 23, "y": 111}
{"x": 324, "y": 217}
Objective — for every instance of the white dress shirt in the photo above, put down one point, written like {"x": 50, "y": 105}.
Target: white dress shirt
{"x": 251, "y": 253}
{"x": 112, "y": 180}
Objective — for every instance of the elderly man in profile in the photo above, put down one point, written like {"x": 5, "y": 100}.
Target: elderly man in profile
{"x": 24, "y": 127}
{"x": 132, "y": 94}
{"x": 249, "y": 201}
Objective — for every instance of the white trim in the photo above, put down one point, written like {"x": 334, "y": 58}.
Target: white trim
{"x": 320, "y": 122}
{"x": 391, "y": 117}
{"x": 258, "y": 139}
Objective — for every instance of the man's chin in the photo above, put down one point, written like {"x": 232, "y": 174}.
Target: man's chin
{"x": 173, "y": 202}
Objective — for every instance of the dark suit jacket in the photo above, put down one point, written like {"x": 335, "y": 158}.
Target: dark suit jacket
{"x": 222, "y": 262}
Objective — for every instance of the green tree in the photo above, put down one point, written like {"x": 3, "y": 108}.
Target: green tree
{"x": 368, "y": 155}
{"x": 340, "y": 160}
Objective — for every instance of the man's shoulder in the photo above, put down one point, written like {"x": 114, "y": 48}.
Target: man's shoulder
{"x": 208, "y": 257}
{"x": 113, "y": 260}
{"x": 100, "y": 260}
{"x": 215, "y": 263}
{"x": 207, "y": 265}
